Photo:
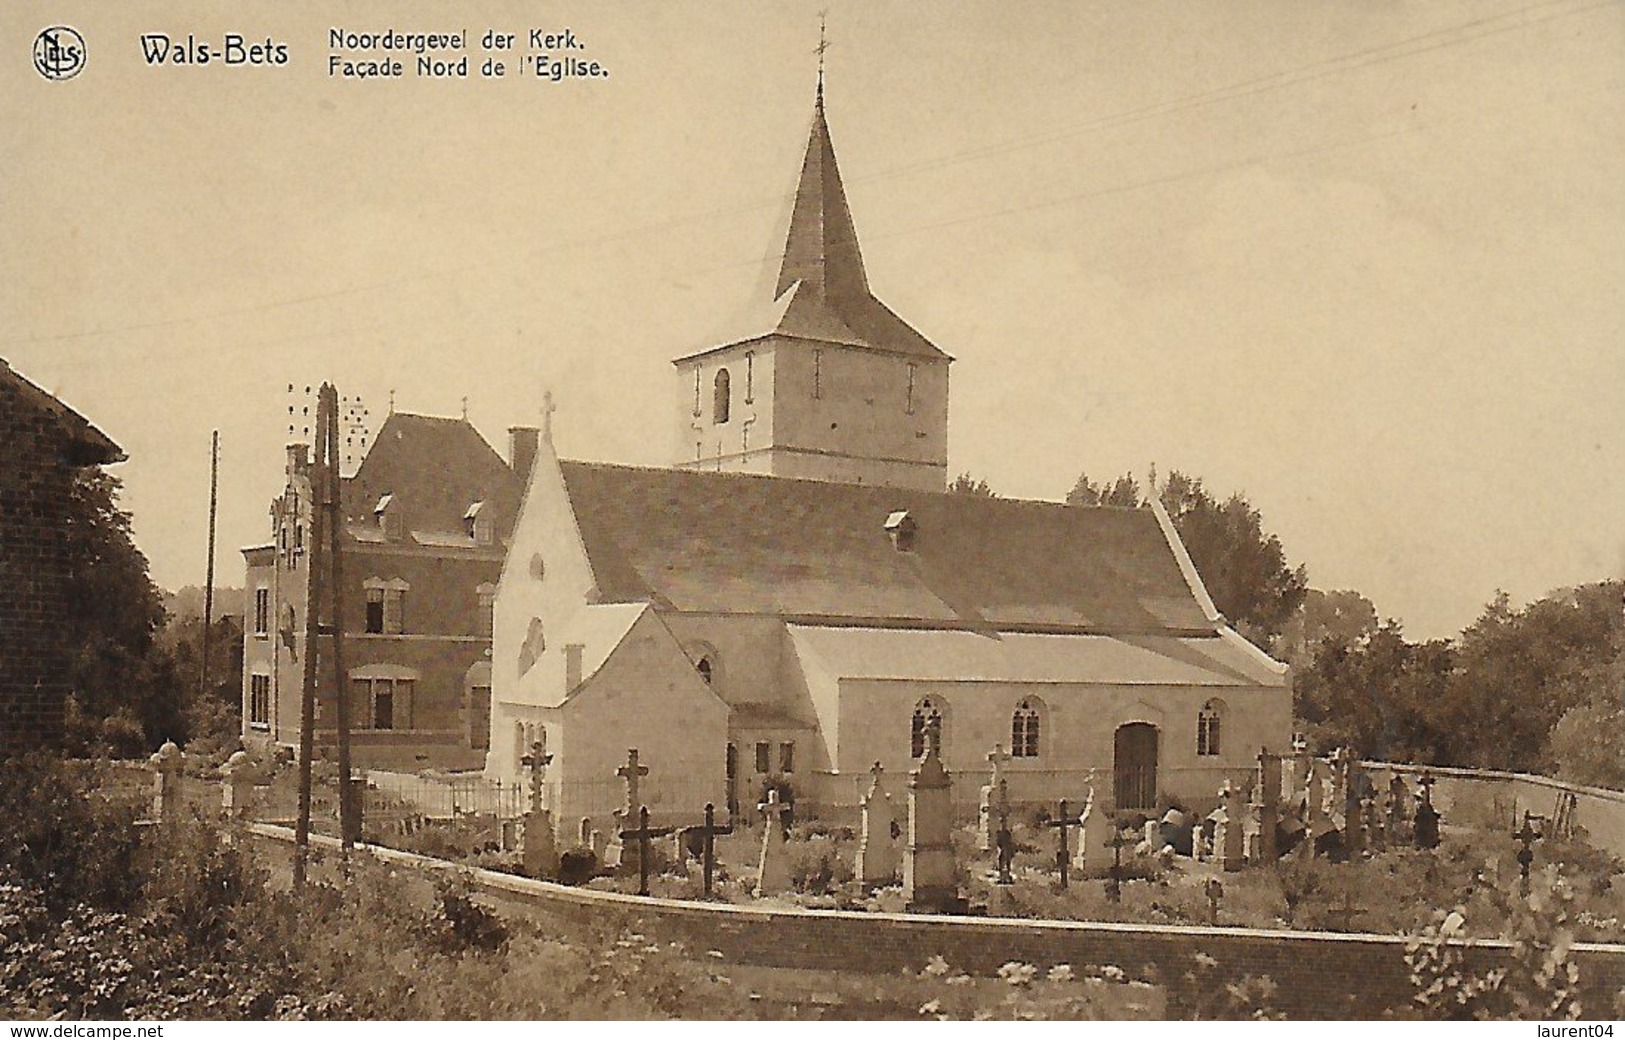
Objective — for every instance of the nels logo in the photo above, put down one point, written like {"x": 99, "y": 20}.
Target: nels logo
{"x": 59, "y": 52}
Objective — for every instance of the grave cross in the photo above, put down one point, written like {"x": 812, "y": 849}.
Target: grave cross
{"x": 536, "y": 763}
{"x": 643, "y": 833}
{"x": 997, "y": 758}
{"x": 630, "y": 773}
{"x": 1063, "y": 823}
{"x": 1527, "y": 835}
{"x": 1426, "y": 824}
{"x": 1114, "y": 881}
{"x": 709, "y": 834}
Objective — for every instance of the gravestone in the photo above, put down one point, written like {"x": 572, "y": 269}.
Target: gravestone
{"x": 1227, "y": 829}
{"x": 166, "y": 764}
{"x": 773, "y": 867}
{"x": 237, "y": 784}
{"x": 878, "y": 856}
{"x": 930, "y": 874}
{"x": 1426, "y": 824}
{"x": 540, "y": 853}
{"x": 995, "y": 797}
{"x": 1269, "y": 806}
{"x": 1094, "y": 836}
{"x": 1399, "y": 800}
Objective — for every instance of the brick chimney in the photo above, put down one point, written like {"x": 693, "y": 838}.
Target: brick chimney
{"x": 522, "y": 445}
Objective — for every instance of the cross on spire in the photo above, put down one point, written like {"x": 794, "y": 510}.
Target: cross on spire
{"x": 548, "y": 408}
{"x": 823, "y": 45}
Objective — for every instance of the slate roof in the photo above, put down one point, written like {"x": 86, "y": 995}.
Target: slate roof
{"x": 821, "y": 292}
{"x": 743, "y": 544}
{"x": 432, "y": 469}
{"x": 1157, "y": 660}
{"x": 84, "y": 444}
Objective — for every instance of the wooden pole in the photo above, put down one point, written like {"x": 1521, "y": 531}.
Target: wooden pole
{"x": 208, "y": 580}
{"x": 349, "y": 817}
{"x": 307, "y": 708}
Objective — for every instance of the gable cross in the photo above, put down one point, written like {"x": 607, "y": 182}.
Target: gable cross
{"x": 548, "y": 408}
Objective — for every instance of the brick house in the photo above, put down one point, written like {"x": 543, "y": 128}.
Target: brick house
{"x": 426, "y": 521}
{"x": 47, "y": 444}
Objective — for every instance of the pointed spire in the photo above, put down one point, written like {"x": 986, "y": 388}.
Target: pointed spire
{"x": 821, "y": 248}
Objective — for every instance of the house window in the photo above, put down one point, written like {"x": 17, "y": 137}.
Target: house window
{"x": 1024, "y": 731}
{"x": 927, "y": 719}
{"x": 721, "y": 398}
{"x": 787, "y": 756}
{"x": 764, "y": 759}
{"x": 388, "y": 702}
{"x": 818, "y": 374}
{"x": 375, "y": 610}
{"x": 1207, "y": 728}
{"x": 911, "y": 371}
{"x": 259, "y": 701}
{"x": 487, "y": 594}
{"x": 262, "y": 611}
{"x": 750, "y": 377}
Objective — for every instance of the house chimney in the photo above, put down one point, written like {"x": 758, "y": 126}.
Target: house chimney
{"x": 572, "y": 666}
{"x": 522, "y": 443}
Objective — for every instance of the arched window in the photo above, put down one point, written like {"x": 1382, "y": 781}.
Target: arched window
{"x": 1208, "y": 723}
{"x": 1024, "y": 730}
{"x": 927, "y": 719}
{"x": 722, "y": 398}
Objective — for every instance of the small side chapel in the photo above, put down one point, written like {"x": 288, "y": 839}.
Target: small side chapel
{"x": 799, "y": 598}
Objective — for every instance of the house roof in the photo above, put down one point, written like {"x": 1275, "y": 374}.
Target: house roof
{"x": 821, "y": 291}
{"x": 84, "y": 445}
{"x": 430, "y": 471}
{"x": 744, "y": 544}
{"x": 926, "y": 656}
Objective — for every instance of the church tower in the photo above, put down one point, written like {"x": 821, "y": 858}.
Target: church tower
{"x": 825, "y": 382}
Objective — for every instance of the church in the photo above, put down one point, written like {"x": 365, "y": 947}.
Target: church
{"x": 799, "y": 598}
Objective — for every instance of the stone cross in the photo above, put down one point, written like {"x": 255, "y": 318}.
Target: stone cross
{"x": 536, "y": 763}
{"x": 631, "y": 773}
{"x": 641, "y": 834}
{"x": 930, "y": 873}
{"x": 1093, "y": 828}
{"x": 166, "y": 765}
{"x": 1114, "y": 881}
{"x": 237, "y": 784}
{"x": 1526, "y": 836}
{"x": 773, "y": 869}
{"x": 877, "y": 843}
{"x": 1063, "y": 824}
{"x": 995, "y": 798}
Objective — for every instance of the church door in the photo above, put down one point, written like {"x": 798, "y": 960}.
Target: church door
{"x": 1134, "y": 766}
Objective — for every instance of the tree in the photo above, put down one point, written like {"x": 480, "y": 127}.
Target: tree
{"x": 1341, "y": 616}
{"x": 1378, "y": 694}
{"x": 1243, "y": 567}
{"x": 965, "y": 484}
{"x": 125, "y": 691}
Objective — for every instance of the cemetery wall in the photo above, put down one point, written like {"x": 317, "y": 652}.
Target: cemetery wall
{"x": 1483, "y": 794}
{"x": 1318, "y": 975}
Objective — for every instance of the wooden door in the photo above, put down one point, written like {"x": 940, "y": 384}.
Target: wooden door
{"x": 1134, "y": 766}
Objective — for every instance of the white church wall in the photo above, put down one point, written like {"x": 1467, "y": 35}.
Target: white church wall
{"x": 1077, "y": 726}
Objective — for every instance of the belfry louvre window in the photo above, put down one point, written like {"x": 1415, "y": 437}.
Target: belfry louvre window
{"x": 1024, "y": 731}
{"x": 259, "y": 701}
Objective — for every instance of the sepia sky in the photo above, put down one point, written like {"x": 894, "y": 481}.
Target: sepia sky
{"x": 1360, "y": 261}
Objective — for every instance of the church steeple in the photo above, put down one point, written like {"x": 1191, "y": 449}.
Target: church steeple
{"x": 821, "y": 245}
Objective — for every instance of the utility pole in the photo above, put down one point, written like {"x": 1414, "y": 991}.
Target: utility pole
{"x": 208, "y": 580}
{"x": 349, "y": 814}
{"x": 313, "y": 599}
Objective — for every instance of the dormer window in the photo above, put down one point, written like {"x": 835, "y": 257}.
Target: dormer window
{"x": 901, "y": 527}
{"x": 477, "y": 524}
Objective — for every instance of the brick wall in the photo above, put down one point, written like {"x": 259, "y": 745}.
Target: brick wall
{"x": 35, "y": 646}
{"x": 1319, "y": 976}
